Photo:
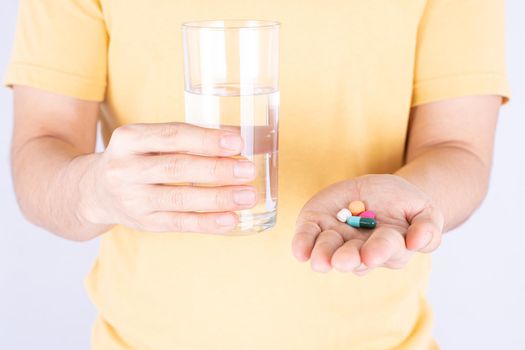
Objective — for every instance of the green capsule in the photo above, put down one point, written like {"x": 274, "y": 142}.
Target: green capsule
{"x": 359, "y": 222}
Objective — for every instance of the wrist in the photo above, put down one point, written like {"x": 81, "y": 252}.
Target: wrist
{"x": 88, "y": 210}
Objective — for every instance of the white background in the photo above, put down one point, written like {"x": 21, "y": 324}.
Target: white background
{"x": 477, "y": 287}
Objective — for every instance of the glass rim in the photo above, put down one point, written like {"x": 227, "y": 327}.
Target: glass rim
{"x": 226, "y": 24}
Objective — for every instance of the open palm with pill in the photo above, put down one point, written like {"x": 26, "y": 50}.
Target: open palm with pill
{"x": 407, "y": 221}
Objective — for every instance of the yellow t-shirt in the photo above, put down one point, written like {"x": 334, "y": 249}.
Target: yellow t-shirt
{"x": 350, "y": 72}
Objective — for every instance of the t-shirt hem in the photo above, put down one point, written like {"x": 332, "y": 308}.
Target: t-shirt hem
{"x": 432, "y": 90}
{"x": 54, "y": 81}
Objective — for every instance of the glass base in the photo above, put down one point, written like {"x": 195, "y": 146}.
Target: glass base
{"x": 250, "y": 224}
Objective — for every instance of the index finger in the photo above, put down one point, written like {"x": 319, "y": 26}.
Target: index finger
{"x": 175, "y": 137}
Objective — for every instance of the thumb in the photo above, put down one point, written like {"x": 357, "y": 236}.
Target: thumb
{"x": 425, "y": 231}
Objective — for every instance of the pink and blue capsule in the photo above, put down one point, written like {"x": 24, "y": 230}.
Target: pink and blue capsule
{"x": 359, "y": 222}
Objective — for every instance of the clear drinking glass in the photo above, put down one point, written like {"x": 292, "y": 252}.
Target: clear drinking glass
{"x": 231, "y": 74}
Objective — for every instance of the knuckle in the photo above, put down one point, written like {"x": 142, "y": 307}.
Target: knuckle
{"x": 213, "y": 169}
{"x": 177, "y": 223}
{"x": 177, "y": 199}
{"x": 224, "y": 199}
{"x": 114, "y": 171}
{"x": 203, "y": 223}
{"x": 124, "y": 131}
{"x": 133, "y": 205}
{"x": 121, "y": 135}
{"x": 169, "y": 130}
{"x": 175, "y": 167}
{"x": 206, "y": 137}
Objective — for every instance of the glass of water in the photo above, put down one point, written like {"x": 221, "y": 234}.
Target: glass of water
{"x": 231, "y": 74}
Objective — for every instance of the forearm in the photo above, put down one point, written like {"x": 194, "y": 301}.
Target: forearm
{"x": 454, "y": 177}
{"x": 47, "y": 173}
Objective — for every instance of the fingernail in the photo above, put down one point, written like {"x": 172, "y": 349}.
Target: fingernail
{"x": 362, "y": 267}
{"x": 244, "y": 169}
{"x": 225, "y": 220}
{"x": 427, "y": 239}
{"x": 231, "y": 142}
{"x": 244, "y": 197}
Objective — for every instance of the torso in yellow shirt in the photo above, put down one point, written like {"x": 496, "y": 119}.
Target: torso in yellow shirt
{"x": 350, "y": 72}
{"x": 346, "y": 87}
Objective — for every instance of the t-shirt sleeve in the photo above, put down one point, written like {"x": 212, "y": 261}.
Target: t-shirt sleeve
{"x": 61, "y": 47}
{"x": 460, "y": 51}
